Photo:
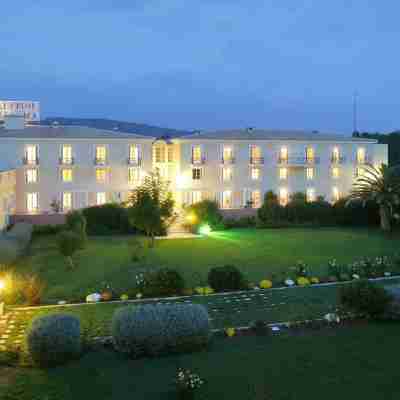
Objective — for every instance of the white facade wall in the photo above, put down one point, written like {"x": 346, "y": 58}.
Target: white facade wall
{"x": 7, "y": 196}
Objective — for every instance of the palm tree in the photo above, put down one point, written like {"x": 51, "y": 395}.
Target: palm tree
{"x": 382, "y": 186}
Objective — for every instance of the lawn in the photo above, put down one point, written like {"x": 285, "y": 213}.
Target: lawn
{"x": 259, "y": 254}
{"x": 344, "y": 363}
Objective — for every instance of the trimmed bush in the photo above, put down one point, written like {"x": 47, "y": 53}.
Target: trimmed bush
{"x": 153, "y": 330}
{"x": 164, "y": 282}
{"x": 226, "y": 278}
{"x": 39, "y": 230}
{"x": 76, "y": 222}
{"x": 69, "y": 242}
{"x": 54, "y": 339}
{"x": 21, "y": 233}
{"x": 205, "y": 212}
{"x": 364, "y": 298}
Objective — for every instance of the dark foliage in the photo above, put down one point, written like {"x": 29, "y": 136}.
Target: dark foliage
{"x": 226, "y": 278}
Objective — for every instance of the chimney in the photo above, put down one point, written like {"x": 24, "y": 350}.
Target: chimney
{"x": 14, "y": 122}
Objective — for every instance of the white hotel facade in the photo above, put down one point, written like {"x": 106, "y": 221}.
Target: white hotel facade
{"x": 77, "y": 167}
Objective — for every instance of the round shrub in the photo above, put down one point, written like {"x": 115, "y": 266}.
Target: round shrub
{"x": 265, "y": 284}
{"x": 226, "y": 278}
{"x": 54, "y": 339}
{"x": 164, "y": 282}
{"x": 152, "y": 330}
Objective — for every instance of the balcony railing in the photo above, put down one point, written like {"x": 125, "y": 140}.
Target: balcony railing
{"x": 134, "y": 161}
{"x": 27, "y": 161}
{"x": 338, "y": 160}
{"x": 66, "y": 161}
{"x": 198, "y": 161}
{"x": 367, "y": 160}
{"x": 298, "y": 161}
{"x": 230, "y": 160}
{"x": 256, "y": 160}
{"x": 100, "y": 161}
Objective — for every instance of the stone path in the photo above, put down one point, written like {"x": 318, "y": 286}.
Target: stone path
{"x": 12, "y": 331}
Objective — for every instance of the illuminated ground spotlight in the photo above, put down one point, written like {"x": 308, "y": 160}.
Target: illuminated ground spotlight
{"x": 205, "y": 229}
{"x": 191, "y": 218}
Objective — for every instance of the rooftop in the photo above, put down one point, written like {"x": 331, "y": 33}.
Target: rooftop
{"x": 67, "y": 132}
{"x": 273, "y": 134}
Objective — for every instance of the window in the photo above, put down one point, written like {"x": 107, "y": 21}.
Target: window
{"x": 101, "y": 154}
{"x": 335, "y": 155}
{"x": 196, "y": 196}
{"x": 31, "y": 154}
{"x": 255, "y": 173}
{"x": 310, "y": 154}
{"x": 226, "y": 174}
{"x": 310, "y": 173}
{"x": 196, "y": 154}
{"x": 255, "y": 154}
{"x": 227, "y": 154}
{"x": 310, "y": 195}
{"x": 283, "y": 196}
{"x": 31, "y": 175}
{"x": 170, "y": 153}
{"x": 359, "y": 172}
{"x": 227, "y": 199}
{"x": 283, "y": 154}
{"x": 256, "y": 199}
{"x": 283, "y": 173}
{"x": 66, "y": 175}
{"x": 133, "y": 154}
{"x": 100, "y": 175}
{"x": 100, "y": 198}
{"x": 67, "y": 201}
{"x": 196, "y": 174}
{"x": 66, "y": 154}
{"x": 335, "y": 194}
{"x": 335, "y": 172}
{"x": 133, "y": 175}
{"x": 361, "y": 155}
{"x": 32, "y": 204}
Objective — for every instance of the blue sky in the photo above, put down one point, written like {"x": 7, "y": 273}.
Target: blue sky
{"x": 206, "y": 64}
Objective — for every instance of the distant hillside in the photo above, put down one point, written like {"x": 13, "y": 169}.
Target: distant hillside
{"x": 110, "y": 124}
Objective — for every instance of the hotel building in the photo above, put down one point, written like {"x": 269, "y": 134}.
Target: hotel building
{"x": 30, "y": 110}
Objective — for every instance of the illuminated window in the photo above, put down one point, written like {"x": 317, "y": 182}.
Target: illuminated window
{"x": 227, "y": 154}
{"x": 170, "y": 153}
{"x": 256, "y": 199}
{"x": 101, "y": 175}
{"x": 335, "y": 194}
{"x": 32, "y": 204}
{"x": 310, "y": 194}
{"x": 100, "y": 198}
{"x": 335, "y": 154}
{"x": 133, "y": 175}
{"x": 283, "y": 154}
{"x": 67, "y": 175}
{"x": 31, "y": 175}
{"x": 196, "y": 196}
{"x": 133, "y": 154}
{"x": 31, "y": 154}
{"x": 310, "y": 173}
{"x": 255, "y": 154}
{"x": 159, "y": 154}
{"x": 101, "y": 154}
{"x": 310, "y": 154}
{"x": 255, "y": 173}
{"x": 67, "y": 201}
{"x": 283, "y": 196}
{"x": 66, "y": 154}
{"x": 335, "y": 172}
{"x": 196, "y": 174}
{"x": 361, "y": 155}
{"x": 359, "y": 172}
{"x": 196, "y": 154}
{"x": 227, "y": 199}
{"x": 226, "y": 174}
{"x": 283, "y": 173}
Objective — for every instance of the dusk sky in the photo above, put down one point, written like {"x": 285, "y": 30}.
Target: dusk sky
{"x": 206, "y": 64}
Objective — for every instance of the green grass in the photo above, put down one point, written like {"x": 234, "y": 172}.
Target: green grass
{"x": 259, "y": 254}
{"x": 344, "y": 363}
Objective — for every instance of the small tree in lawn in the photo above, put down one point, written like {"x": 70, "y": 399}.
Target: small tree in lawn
{"x": 68, "y": 243}
{"x": 380, "y": 185}
{"x": 151, "y": 206}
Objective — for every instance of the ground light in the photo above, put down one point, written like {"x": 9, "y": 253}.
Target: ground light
{"x": 205, "y": 229}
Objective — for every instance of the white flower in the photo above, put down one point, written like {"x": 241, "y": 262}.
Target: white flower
{"x": 356, "y": 276}
{"x": 387, "y": 274}
{"x": 332, "y": 317}
{"x": 139, "y": 296}
{"x": 289, "y": 282}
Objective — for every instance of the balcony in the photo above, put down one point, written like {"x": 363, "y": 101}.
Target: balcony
{"x": 66, "y": 161}
{"x": 298, "y": 161}
{"x": 227, "y": 161}
{"x": 100, "y": 161}
{"x": 256, "y": 160}
{"x": 27, "y": 161}
{"x": 198, "y": 161}
{"x": 367, "y": 160}
{"x": 338, "y": 160}
{"x": 134, "y": 161}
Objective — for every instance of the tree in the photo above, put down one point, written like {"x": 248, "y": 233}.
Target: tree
{"x": 271, "y": 211}
{"x": 69, "y": 242}
{"x": 76, "y": 222}
{"x": 151, "y": 206}
{"x": 204, "y": 212}
{"x": 380, "y": 185}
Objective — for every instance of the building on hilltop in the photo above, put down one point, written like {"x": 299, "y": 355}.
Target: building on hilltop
{"x": 30, "y": 110}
